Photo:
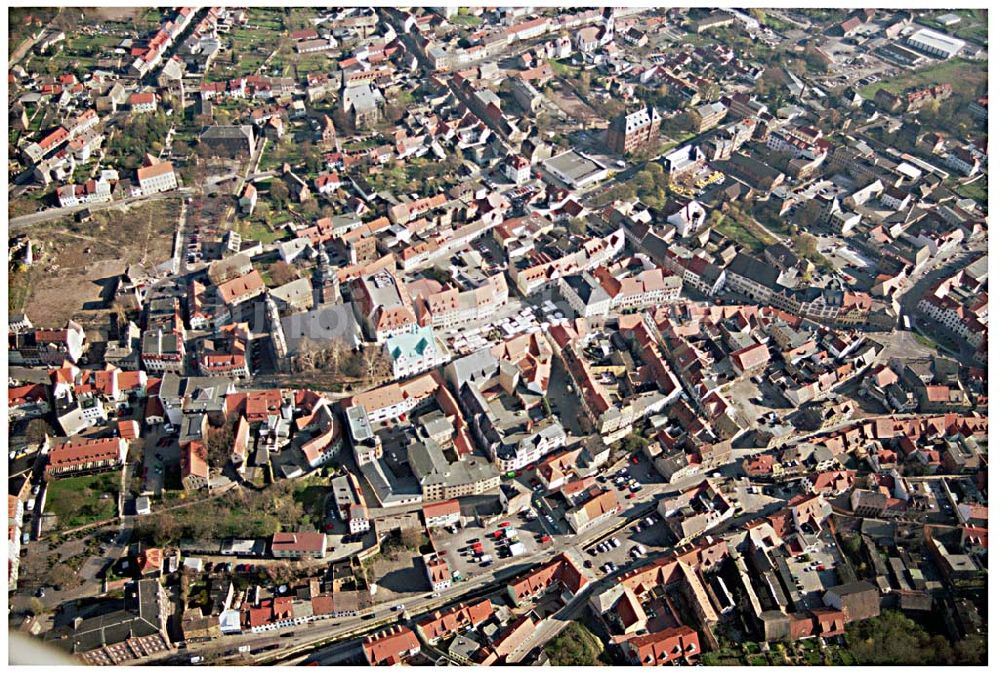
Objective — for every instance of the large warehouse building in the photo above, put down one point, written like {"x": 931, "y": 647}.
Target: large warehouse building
{"x": 936, "y": 44}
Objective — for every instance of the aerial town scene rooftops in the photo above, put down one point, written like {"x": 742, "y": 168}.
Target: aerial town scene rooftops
{"x": 490, "y": 335}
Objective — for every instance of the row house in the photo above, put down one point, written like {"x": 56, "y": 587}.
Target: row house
{"x": 90, "y": 192}
{"x": 50, "y": 347}
{"x": 241, "y": 289}
{"x": 593, "y": 511}
{"x": 86, "y": 456}
{"x": 446, "y": 307}
{"x": 394, "y": 399}
{"x": 28, "y": 401}
{"x": 443, "y": 625}
{"x": 349, "y": 502}
{"x": 390, "y": 647}
{"x": 163, "y": 351}
{"x": 954, "y": 316}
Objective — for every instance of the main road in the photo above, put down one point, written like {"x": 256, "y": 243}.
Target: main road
{"x": 60, "y": 212}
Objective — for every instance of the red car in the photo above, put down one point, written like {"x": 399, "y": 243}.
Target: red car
{"x": 498, "y": 533}
{"x": 821, "y": 567}
{"x": 635, "y": 460}
{"x": 632, "y": 495}
{"x": 546, "y": 538}
{"x": 505, "y": 524}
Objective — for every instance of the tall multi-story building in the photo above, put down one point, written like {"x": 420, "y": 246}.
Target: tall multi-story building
{"x": 631, "y": 130}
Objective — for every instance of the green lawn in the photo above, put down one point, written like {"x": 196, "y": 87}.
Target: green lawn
{"x": 575, "y": 645}
{"x": 262, "y": 232}
{"x": 564, "y": 70}
{"x": 776, "y": 23}
{"x": 968, "y": 78}
{"x": 753, "y": 239}
{"x": 78, "y": 500}
{"x": 465, "y": 20}
{"x": 977, "y": 190}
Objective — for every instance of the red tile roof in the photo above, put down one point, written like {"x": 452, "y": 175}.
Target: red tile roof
{"x": 458, "y": 618}
{"x": 128, "y": 430}
{"x": 159, "y": 169}
{"x": 82, "y": 450}
{"x": 386, "y": 649}
{"x": 241, "y": 286}
{"x": 312, "y": 541}
{"x": 666, "y": 646}
{"x": 560, "y": 570}
{"x": 442, "y": 508}
{"x": 751, "y": 357}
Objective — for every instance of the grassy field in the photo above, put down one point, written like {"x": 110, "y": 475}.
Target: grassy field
{"x": 262, "y": 232}
{"x": 752, "y": 238}
{"x": 972, "y": 27}
{"x": 564, "y": 70}
{"x": 80, "y": 500}
{"x": 776, "y": 22}
{"x": 469, "y": 20}
{"x": 977, "y": 190}
{"x": 575, "y": 645}
{"x": 968, "y": 78}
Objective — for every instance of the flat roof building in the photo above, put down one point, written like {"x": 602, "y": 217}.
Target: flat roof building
{"x": 574, "y": 169}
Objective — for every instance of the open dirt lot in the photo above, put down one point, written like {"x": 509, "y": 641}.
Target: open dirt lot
{"x": 571, "y": 105}
{"x": 96, "y": 14}
{"x": 76, "y": 263}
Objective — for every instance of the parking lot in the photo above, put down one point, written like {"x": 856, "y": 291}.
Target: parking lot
{"x": 644, "y": 540}
{"x": 816, "y": 570}
{"x": 160, "y": 451}
{"x": 458, "y": 548}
